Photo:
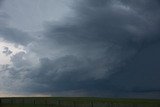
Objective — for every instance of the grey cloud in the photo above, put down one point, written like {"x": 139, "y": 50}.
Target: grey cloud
{"x": 21, "y": 60}
{"x": 142, "y": 74}
{"x": 18, "y": 59}
{"x": 111, "y": 23}
{"x": 112, "y": 26}
{"x": 63, "y": 73}
{"x": 12, "y": 34}
{"x": 15, "y": 36}
{"x": 6, "y": 51}
{"x": 1, "y": 2}
{"x": 98, "y": 43}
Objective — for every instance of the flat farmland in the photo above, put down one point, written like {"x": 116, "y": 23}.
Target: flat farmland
{"x": 76, "y": 102}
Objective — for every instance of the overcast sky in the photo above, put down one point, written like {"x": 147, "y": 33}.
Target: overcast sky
{"x": 104, "y": 48}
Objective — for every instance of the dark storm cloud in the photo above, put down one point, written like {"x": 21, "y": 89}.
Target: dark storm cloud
{"x": 63, "y": 74}
{"x": 106, "y": 34}
{"x": 129, "y": 25}
{"x": 99, "y": 40}
{"x": 142, "y": 74}
{"x": 103, "y": 23}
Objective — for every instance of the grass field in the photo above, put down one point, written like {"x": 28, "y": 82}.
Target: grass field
{"x": 76, "y": 102}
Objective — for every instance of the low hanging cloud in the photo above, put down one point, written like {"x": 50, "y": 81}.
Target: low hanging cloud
{"x": 86, "y": 53}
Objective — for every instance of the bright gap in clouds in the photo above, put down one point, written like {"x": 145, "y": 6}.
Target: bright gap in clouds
{"x": 5, "y": 59}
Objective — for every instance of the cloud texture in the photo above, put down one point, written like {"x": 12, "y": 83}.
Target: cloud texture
{"x": 90, "y": 53}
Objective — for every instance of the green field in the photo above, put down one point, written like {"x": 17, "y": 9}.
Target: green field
{"x": 76, "y": 102}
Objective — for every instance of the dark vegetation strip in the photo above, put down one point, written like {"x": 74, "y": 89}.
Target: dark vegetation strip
{"x": 76, "y": 102}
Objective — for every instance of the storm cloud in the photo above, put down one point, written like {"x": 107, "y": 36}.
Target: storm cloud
{"x": 101, "y": 49}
